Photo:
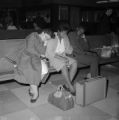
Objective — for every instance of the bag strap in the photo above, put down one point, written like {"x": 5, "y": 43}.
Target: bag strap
{"x": 60, "y": 88}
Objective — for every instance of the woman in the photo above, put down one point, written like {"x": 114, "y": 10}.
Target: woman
{"x": 30, "y": 69}
{"x": 57, "y": 50}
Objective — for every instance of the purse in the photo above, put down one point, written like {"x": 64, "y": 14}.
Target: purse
{"x": 61, "y": 99}
{"x": 106, "y": 52}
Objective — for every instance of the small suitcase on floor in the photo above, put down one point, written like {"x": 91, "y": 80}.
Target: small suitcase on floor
{"x": 90, "y": 90}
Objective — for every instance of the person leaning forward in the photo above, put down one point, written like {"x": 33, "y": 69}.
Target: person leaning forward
{"x": 30, "y": 69}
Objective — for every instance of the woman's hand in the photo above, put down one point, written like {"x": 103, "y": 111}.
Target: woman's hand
{"x": 60, "y": 56}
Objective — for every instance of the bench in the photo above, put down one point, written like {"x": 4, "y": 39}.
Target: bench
{"x": 11, "y": 47}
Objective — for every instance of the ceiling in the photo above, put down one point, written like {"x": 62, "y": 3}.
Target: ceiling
{"x": 27, "y": 3}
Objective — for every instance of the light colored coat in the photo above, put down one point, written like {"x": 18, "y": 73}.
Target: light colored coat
{"x": 29, "y": 64}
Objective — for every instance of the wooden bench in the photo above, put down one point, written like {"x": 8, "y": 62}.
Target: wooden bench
{"x": 8, "y": 45}
{"x": 102, "y": 61}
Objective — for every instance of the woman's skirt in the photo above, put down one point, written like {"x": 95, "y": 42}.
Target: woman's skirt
{"x": 58, "y": 64}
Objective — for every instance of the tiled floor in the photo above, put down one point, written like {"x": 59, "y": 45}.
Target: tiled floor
{"x": 15, "y": 104}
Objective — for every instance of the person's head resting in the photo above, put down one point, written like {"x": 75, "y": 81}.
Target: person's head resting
{"x": 80, "y": 30}
{"x": 46, "y": 34}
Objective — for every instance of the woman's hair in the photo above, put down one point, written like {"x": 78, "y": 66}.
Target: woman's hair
{"x": 62, "y": 26}
{"x": 48, "y": 31}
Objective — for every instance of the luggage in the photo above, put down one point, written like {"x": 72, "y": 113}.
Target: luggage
{"x": 61, "y": 99}
{"x": 106, "y": 51}
{"x": 90, "y": 90}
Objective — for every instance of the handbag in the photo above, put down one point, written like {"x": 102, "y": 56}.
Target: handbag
{"x": 61, "y": 99}
{"x": 106, "y": 51}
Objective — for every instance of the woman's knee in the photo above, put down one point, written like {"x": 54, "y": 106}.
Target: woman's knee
{"x": 75, "y": 64}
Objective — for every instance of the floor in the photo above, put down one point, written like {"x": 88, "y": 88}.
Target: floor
{"x": 15, "y": 102}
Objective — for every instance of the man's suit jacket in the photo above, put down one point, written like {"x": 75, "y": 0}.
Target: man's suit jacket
{"x": 78, "y": 43}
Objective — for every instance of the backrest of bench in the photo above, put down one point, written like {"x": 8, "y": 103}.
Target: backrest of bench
{"x": 11, "y": 48}
{"x": 98, "y": 41}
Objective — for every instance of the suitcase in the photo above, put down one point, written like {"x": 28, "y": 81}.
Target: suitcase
{"x": 90, "y": 90}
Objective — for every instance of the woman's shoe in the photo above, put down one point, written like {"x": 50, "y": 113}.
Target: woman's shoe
{"x": 73, "y": 93}
{"x": 69, "y": 90}
{"x": 30, "y": 93}
{"x": 66, "y": 88}
{"x": 33, "y": 100}
{"x": 33, "y": 92}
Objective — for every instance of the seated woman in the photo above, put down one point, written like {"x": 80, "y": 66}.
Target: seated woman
{"x": 57, "y": 50}
{"x": 30, "y": 69}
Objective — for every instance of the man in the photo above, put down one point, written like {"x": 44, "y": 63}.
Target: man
{"x": 81, "y": 51}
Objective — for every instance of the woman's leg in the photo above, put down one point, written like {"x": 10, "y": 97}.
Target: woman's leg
{"x": 72, "y": 67}
{"x": 65, "y": 72}
{"x": 73, "y": 70}
{"x": 34, "y": 92}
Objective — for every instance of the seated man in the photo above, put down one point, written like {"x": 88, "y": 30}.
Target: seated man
{"x": 81, "y": 51}
{"x": 56, "y": 51}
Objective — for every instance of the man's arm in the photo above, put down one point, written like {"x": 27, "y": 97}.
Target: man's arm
{"x": 73, "y": 38}
{"x": 68, "y": 46}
